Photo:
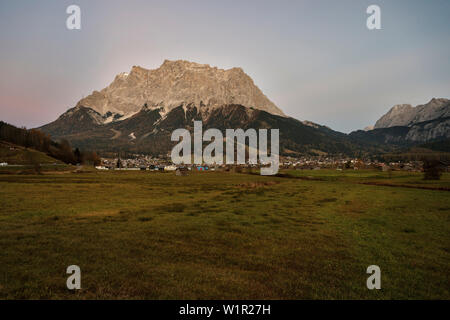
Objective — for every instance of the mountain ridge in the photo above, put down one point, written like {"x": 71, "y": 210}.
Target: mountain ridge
{"x": 407, "y": 115}
{"x": 405, "y": 125}
{"x": 173, "y": 84}
{"x": 139, "y": 110}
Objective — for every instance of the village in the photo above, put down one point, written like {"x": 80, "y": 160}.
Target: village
{"x": 163, "y": 163}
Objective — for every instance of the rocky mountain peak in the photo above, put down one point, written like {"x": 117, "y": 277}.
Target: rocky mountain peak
{"x": 407, "y": 115}
{"x": 177, "y": 83}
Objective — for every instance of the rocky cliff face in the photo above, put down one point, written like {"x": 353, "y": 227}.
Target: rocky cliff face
{"x": 407, "y": 115}
{"x": 429, "y": 130}
{"x": 173, "y": 84}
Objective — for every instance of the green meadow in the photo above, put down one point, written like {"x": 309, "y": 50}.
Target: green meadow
{"x": 223, "y": 235}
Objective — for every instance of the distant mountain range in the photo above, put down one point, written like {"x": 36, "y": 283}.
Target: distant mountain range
{"x": 405, "y": 125}
{"x": 139, "y": 110}
{"x": 407, "y": 115}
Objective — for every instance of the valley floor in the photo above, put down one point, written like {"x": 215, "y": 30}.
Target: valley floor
{"x": 218, "y": 235}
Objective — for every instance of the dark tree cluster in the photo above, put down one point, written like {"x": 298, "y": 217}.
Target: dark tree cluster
{"x": 432, "y": 169}
{"x": 40, "y": 141}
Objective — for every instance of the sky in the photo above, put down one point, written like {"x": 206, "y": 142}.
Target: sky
{"x": 315, "y": 59}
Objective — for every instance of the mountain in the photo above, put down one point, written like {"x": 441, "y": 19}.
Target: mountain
{"x": 405, "y": 125}
{"x": 139, "y": 110}
{"x": 407, "y": 115}
{"x": 173, "y": 84}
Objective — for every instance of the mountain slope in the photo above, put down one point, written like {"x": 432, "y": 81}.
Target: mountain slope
{"x": 18, "y": 155}
{"x": 150, "y": 130}
{"x": 74, "y": 120}
{"x": 421, "y": 132}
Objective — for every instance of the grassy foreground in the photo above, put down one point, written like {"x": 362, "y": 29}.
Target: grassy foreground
{"x": 308, "y": 235}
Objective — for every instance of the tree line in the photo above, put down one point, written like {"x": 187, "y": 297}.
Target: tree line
{"x": 41, "y": 141}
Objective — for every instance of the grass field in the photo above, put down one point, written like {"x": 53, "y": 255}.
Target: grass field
{"x": 17, "y": 155}
{"x": 307, "y": 235}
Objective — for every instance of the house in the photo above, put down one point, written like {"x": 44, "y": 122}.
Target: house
{"x": 170, "y": 168}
